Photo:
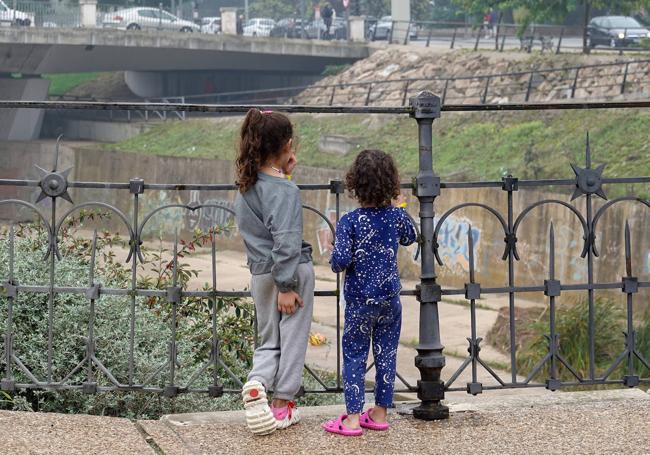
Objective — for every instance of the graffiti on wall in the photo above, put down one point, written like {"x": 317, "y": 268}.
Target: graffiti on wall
{"x": 452, "y": 240}
{"x": 207, "y": 217}
{"x": 165, "y": 221}
{"x": 452, "y": 243}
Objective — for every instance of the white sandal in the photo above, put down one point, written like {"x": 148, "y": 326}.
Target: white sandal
{"x": 259, "y": 417}
{"x": 286, "y": 416}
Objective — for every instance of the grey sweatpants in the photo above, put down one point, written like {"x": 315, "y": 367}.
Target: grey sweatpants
{"x": 279, "y": 358}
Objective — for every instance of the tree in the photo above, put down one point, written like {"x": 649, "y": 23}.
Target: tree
{"x": 421, "y": 10}
{"x": 278, "y": 9}
{"x": 446, "y": 10}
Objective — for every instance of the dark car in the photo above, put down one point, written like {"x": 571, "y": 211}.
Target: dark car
{"x": 287, "y": 28}
{"x": 616, "y": 31}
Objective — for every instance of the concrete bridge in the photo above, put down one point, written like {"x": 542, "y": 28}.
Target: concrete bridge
{"x": 156, "y": 64}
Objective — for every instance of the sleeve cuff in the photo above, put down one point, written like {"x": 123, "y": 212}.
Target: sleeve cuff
{"x": 287, "y": 286}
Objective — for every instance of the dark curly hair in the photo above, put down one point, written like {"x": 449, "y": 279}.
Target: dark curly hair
{"x": 263, "y": 135}
{"x": 373, "y": 178}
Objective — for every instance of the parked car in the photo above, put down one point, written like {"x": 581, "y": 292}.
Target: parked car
{"x": 317, "y": 29}
{"x": 287, "y": 28}
{"x": 259, "y": 27}
{"x": 10, "y": 16}
{"x": 211, "y": 25}
{"x": 147, "y": 18}
{"x": 616, "y": 31}
{"x": 368, "y": 26}
{"x": 382, "y": 28}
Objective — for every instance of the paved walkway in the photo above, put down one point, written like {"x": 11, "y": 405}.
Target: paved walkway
{"x": 454, "y": 321}
{"x": 600, "y": 422}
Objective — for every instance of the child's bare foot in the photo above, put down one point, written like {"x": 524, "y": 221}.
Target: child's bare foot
{"x": 375, "y": 419}
{"x": 378, "y": 414}
{"x": 280, "y": 403}
{"x": 352, "y": 422}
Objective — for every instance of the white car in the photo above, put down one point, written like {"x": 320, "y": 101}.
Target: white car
{"x": 147, "y": 18}
{"x": 9, "y": 16}
{"x": 382, "y": 29}
{"x": 211, "y": 25}
{"x": 258, "y": 27}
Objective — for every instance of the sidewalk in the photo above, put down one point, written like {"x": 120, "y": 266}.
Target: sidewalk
{"x": 232, "y": 274}
{"x": 454, "y": 323}
{"x": 599, "y": 422}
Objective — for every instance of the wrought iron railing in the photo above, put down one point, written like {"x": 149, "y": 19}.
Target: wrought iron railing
{"x": 424, "y": 109}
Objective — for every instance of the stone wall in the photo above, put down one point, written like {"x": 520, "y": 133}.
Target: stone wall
{"x": 400, "y": 63}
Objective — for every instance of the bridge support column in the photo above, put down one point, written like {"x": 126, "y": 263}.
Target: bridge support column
{"x": 22, "y": 124}
{"x": 401, "y": 13}
{"x": 88, "y": 10}
{"x": 145, "y": 84}
{"x": 229, "y": 21}
{"x": 358, "y": 28}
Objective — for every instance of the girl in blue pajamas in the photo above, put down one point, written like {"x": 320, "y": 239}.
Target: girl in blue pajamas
{"x": 366, "y": 249}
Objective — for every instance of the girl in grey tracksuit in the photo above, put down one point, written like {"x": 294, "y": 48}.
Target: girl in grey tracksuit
{"x": 269, "y": 217}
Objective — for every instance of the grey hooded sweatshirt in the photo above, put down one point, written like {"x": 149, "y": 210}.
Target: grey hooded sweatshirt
{"x": 269, "y": 218}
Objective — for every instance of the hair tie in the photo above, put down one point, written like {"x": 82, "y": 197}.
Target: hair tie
{"x": 266, "y": 112}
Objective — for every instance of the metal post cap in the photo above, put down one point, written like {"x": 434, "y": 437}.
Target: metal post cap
{"x": 425, "y": 105}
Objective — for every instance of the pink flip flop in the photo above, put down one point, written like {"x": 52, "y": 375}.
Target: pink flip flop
{"x": 336, "y": 426}
{"x": 366, "y": 422}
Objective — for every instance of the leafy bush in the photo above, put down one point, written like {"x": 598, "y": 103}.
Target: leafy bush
{"x": 333, "y": 70}
{"x": 643, "y": 342}
{"x": 572, "y": 321}
{"x": 71, "y": 313}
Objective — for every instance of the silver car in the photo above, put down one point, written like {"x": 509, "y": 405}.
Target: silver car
{"x": 147, "y": 18}
{"x": 10, "y": 16}
{"x": 211, "y": 25}
{"x": 259, "y": 27}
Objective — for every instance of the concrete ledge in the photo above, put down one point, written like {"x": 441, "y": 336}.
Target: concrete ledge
{"x": 485, "y": 403}
{"x": 608, "y": 421}
{"x": 42, "y": 51}
{"x": 194, "y": 41}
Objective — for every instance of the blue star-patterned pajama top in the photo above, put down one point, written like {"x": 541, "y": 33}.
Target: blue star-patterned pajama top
{"x": 366, "y": 249}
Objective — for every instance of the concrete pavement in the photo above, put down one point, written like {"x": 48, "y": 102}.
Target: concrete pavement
{"x": 598, "y": 422}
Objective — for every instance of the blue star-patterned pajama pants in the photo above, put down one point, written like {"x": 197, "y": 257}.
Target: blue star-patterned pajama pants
{"x": 381, "y": 323}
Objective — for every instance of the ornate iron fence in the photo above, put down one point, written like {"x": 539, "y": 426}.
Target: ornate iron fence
{"x": 424, "y": 109}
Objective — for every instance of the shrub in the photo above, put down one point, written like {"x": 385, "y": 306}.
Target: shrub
{"x": 572, "y": 322}
{"x": 643, "y": 343}
{"x": 235, "y": 321}
{"x": 334, "y": 70}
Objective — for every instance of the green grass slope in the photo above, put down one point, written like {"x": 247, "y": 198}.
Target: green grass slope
{"x": 60, "y": 84}
{"x": 466, "y": 146}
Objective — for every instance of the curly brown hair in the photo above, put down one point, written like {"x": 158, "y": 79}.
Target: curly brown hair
{"x": 263, "y": 135}
{"x": 373, "y": 178}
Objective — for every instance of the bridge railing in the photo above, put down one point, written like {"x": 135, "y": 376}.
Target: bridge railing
{"x": 207, "y": 373}
{"x": 499, "y": 36}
